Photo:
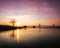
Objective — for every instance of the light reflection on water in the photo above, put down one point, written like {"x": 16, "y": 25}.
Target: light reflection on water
{"x": 28, "y": 34}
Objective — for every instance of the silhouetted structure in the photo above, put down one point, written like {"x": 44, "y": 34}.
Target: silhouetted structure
{"x": 13, "y": 21}
{"x": 24, "y": 26}
{"x": 39, "y": 25}
{"x": 33, "y": 26}
{"x": 53, "y": 25}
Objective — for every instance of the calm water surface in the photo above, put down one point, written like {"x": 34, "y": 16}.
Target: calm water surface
{"x": 30, "y": 36}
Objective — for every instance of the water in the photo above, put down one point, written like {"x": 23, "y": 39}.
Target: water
{"x": 30, "y": 37}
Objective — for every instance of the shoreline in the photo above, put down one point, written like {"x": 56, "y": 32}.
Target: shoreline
{"x": 6, "y": 27}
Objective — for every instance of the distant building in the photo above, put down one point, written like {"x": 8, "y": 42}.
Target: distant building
{"x": 53, "y": 25}
{"x": 39, "y": 25}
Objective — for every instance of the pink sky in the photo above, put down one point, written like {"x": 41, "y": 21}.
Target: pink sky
{"x": 30, "y": 12}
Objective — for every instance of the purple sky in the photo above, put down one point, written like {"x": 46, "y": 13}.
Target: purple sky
{"x": 45, "y": 12}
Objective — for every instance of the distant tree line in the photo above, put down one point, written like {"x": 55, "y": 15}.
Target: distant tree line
{"x": 6, "y": 27}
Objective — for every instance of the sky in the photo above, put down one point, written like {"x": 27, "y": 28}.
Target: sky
{"x": 30, "y": 12}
